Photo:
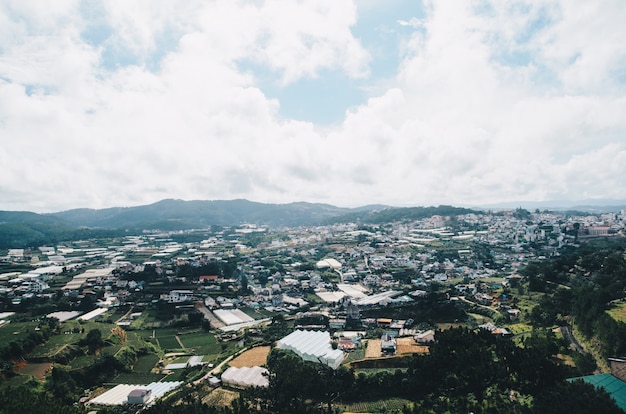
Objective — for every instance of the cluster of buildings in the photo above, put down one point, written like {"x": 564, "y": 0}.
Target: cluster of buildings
{"x": 338, "y": 269}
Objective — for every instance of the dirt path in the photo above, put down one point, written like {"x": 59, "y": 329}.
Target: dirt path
{"x": 180, "y": 342}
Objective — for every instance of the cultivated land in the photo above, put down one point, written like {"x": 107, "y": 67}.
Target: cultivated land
{"x": 254, "y": 356}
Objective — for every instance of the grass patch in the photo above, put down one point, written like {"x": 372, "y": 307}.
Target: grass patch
{"x": 355, "y": 355}
{"x": 16, "y": 331}
{"x": 137, "y": 378}
{"x": 518, "y": 328}
{"x": 480, "y": 319}
{"x": 618, "y": 311}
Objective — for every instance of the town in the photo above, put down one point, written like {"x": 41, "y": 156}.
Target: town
{"x": 208, "y": 305}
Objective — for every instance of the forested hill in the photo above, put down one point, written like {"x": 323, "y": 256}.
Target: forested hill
{"x": 586, "y": 286}
{"x": 179, "y": 214}
{"x": 23, "y": 229}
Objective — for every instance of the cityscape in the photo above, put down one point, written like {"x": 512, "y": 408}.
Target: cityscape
{"x": 206, "y": 307}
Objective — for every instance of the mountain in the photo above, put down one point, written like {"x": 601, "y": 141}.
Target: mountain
{"x": 178, "y": 214}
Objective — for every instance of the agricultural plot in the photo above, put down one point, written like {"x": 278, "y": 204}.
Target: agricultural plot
{"x": 252, "y": 357}
{"x": 220, "y": 397}
{"x": 145, "y": 363}
{"x": 201, "y": 343}
{"x": 404, "y": 346}
{"x": 382, "y": 406}
{"x": 38, "y": 371}
{"x": 168, "y": 343}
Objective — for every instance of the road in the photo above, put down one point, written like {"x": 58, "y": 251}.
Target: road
{"x": 214, "y": 371}
{"x": 566, "y": 331}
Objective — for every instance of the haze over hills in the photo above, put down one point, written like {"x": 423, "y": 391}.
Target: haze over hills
{"x": 21, "y": 228}
{"x": 595, "y": 205}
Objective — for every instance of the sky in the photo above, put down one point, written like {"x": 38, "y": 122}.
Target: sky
{"x": 345, "y": 102}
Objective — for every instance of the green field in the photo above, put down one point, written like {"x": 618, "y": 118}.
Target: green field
{"x": 169, "y": 343}
{"x": 145, "y": 363}
{"x": 201, "y": 343}
{"x": 16, "y": 331}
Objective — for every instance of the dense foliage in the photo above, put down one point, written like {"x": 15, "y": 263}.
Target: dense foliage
{"x": 583, "y": 283}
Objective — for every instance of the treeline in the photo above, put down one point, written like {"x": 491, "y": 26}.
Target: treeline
{"x": 581, "y": 285}
{"x": 17, "y": 348}
{"x": 30, "y": 235}
{"x": 432, "y": 308}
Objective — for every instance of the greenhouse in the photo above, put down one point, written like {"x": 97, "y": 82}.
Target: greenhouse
{"x": 312, "y": 346}
{"x": 245, "y": 377}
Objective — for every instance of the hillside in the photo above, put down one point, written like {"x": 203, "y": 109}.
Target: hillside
{"x": 22, "y": 229}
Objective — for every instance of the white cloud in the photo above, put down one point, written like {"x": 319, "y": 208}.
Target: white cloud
{"x": 492, "y": 102}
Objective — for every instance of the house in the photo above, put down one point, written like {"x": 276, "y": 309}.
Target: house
{"x": 346, "y": 344}
{"x": 178, "y": 296}
{"x": 208, "y": 279}
{"x": 388, "y": 344}
{"x": 425, "y": 337}
{"x": 139, "y": 396}
{"x": 337, "y": 323}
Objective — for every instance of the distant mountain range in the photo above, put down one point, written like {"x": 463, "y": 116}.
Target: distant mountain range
{"x": 20, "y": 228}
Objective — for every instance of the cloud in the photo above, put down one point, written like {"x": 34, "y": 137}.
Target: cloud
{"x": 115, "y": 103}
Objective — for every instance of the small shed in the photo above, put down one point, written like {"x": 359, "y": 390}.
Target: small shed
{"x": 139, "y": 396}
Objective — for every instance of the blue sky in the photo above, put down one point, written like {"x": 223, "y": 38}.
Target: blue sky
{"x": 348, "y": 102}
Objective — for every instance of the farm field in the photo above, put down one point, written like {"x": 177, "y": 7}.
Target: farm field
{"x": 38, "y": 371}
{"x": 252, "y": 357}
{"x": 16, "y": 331}
{"x": 404, "y": 346}
{"x": 220, "y": 397}
{"x": 145, "y": 363}
{"x": 390, "y": 405}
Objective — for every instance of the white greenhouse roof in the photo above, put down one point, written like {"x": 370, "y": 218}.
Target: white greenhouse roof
{"x": 63, "y": 316}
{"x": 312, "y": 346}
{"x": 377, "y": 298}
{"x": 118, "y": 395}
{"x": 331, "y": 296}
{"x": 354, "y": 291}
{"x": 94, "y": 313}
{"x": 232, "y": 317}
{"x": 246, "y": 377}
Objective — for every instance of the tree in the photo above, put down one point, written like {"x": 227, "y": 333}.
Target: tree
{"x": 93, "y": 340}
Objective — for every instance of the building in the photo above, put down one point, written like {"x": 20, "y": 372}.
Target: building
{"x": 139, "y": 396}
{"x": 388, "y": 344}
{"x": 312, "y": 346}
{"x": 245, "y": 377}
